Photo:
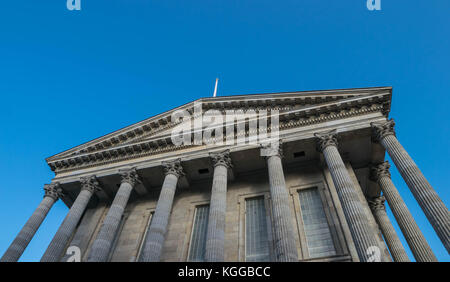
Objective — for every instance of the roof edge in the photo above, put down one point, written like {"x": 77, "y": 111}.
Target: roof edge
{"x": 305, "y": 92}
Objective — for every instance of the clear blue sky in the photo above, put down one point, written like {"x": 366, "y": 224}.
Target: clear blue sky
{"x": 67, "y": 77}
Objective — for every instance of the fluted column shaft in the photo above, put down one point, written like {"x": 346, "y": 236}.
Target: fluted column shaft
{"x": 284, "y": 241}
{"x": 215, "y": 236}
{"x": 18, "y": 246}
{"x": 433, "y": 207}
{"x": 102, "y": 245}
{"x": 390, "y": 236}
{"x": 362, "y": 234}
{"x": 157, "y": 230}
{"x": 414, "y": 237}
{"x": 59, "y": 242}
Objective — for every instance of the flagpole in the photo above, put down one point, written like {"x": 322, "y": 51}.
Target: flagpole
{"x": 215, "y": 88}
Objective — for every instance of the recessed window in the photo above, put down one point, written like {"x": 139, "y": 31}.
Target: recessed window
{"x": 116, "y": 235}
{"x": 315, "y": 224}
{"x": 299, "y": 154}
{"x": 144, "y": 237}
{"x": 256, "y": 233}
{"x": 203, "y": 171}
{"x": 198, "y": 235}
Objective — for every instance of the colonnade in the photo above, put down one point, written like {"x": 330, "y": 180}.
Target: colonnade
{"x": 284, "y": 234}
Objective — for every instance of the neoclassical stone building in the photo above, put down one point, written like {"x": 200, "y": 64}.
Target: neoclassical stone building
{"x": 319, "y": 195}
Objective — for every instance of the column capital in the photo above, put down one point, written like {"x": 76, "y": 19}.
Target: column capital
{"x": 90, "y": 183}
{"x": 380, "y": 170}
{"x": 173, "y": 167}
{"x": 272, "y": 149}
{"x": 377, "y": 203}
{"x": 129, "y": 176}
{"x": 221, "y": 158}
{"x": 53, "y": 190}
{"x": 325, "y": 139}
{"x": 382, "y": 129}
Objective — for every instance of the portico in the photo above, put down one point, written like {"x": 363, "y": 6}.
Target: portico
{"x": 135, "y": 196}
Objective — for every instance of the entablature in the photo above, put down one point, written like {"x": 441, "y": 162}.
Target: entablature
{"x": 134, "y": 143}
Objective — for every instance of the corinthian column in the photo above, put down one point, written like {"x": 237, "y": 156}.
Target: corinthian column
{"x": 414, "y": 237}
{"x": 285, "y": 247}
{"x": 56, "y": 248}
{"x": 428, "y": 199}
{"x": 362, "y": 234}
{"x": 215, "y": 236}
{"x": 17, "y": 247}
{"x": 390, "y": 236}
{"x": 157, "y": 230}
{"x": 102, "y": 245}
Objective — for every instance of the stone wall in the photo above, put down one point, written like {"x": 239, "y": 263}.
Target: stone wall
{"x": 138, "y": 212}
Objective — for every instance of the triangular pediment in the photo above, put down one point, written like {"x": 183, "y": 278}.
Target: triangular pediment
{"x": 154, "y": 130}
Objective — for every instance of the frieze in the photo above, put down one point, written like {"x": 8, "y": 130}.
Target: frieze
{"x": 163, "y": 144}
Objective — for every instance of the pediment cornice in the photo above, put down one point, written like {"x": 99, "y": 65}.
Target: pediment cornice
{"x": 152, "y": 136}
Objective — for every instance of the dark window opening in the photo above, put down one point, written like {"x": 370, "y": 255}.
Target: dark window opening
{"x": 203, "y": 171}
{"x": 299, "y": 154}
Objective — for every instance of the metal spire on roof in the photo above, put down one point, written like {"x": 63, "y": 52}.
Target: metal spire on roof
{"x": 215, "y": 88}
